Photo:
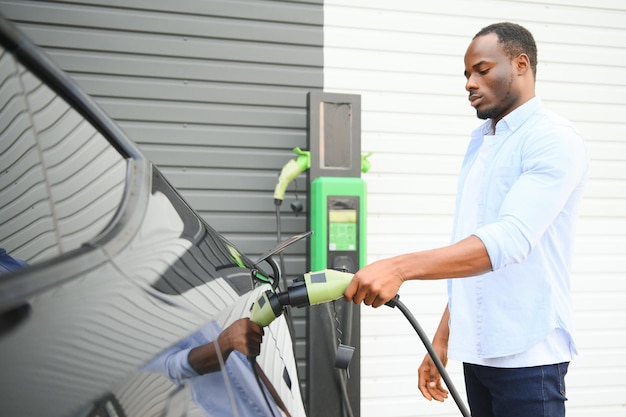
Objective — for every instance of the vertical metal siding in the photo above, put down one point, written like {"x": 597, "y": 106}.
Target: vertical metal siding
{"x": 405, "y": 58}
{"x": 214, "y": 92}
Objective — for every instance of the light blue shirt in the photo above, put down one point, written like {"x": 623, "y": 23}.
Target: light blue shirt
{"x": 216, "y": 393}
{"x": 523, "y": 204}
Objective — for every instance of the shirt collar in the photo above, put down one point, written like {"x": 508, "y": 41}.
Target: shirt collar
{"x": 512, "y": 121}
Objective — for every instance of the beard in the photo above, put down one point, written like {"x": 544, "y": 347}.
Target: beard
{"x": 486, "y": 113}
{"x": 502, "y": 102}
{"x": 498, "y": 110}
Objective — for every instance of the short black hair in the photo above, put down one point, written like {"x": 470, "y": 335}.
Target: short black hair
{"x": 515, "y": 40}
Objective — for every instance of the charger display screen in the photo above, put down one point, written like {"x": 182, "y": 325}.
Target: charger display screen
{"x": 342, "y": 230}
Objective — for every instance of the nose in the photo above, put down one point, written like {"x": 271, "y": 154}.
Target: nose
{"x": 470, "y": 83}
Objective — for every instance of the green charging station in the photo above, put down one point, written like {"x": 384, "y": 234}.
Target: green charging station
{"x": 337, "y": 216}
{"x": 338, "y": 210}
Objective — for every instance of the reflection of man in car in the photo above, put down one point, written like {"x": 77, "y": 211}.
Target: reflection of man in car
{"x": 9, "y": 263}
{"x": 215, "y": 365}
{"x": 242, "y": 336}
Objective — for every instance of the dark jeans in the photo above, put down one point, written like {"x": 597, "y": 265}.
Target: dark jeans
{"x": 537, "y": 391}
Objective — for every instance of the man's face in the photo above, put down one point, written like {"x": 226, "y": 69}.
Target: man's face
{"x": 490, "y": 78}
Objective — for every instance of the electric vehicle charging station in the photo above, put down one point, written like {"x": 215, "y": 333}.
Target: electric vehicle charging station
{"x": 337, "y": 217}
{"x": 337, "y": 249}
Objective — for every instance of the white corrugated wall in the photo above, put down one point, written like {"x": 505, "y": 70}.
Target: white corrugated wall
{"x": 405, "y": 59}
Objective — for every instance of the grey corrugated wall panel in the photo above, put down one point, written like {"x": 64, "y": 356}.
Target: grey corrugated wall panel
{"x": 214, "y": 92}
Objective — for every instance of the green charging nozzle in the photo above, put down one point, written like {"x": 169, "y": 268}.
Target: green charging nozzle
{"x": 310, "y": 289}
{"x": 289, "y": 172}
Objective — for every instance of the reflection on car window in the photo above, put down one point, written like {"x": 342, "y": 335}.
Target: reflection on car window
{"x": 61, "y": 181}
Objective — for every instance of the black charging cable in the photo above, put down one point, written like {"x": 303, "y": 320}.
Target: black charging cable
{"x": 252, "y": 360}
{"x": 395, "y": 302}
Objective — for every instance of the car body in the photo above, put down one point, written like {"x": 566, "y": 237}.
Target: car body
{"x": 120, "y": 267}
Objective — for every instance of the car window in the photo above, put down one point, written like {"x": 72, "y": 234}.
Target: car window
{"x": 61, "y": 181}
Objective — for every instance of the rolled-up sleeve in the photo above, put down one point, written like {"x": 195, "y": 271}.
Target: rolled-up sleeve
{"x": 173, "y": 363}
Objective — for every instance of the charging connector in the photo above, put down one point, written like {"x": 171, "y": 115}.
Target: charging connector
{"x": 328, "y": 285}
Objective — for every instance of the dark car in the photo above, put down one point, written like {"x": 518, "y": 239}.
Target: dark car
{"x": 121, "y": 273}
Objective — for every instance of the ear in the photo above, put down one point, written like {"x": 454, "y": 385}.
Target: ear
{"x": 522, "y": 64}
